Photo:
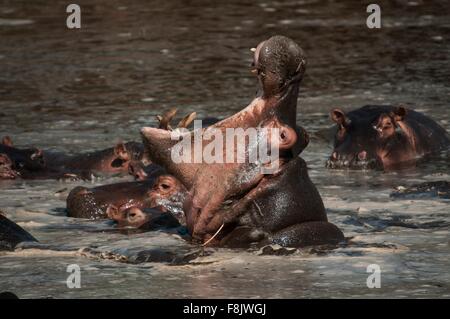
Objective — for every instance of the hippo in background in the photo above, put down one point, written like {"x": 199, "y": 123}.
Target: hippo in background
{"x": 21, "y": 159}
{"x": 160, "y": 191}
{"x": 6, "y": 168}
{"x": 33, "y": 163}
{"x": 425, "y": 190}
{"x": 111, "y": 160}
{"x": 384, "y": 137}
{"x": 146, "y": 219}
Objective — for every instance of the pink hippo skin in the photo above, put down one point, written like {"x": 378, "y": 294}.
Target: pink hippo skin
{"x": 224, "y": 198}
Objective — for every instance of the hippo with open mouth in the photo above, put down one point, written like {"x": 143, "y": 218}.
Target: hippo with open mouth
{"x": 238, "y": 203}
{"x": 384, "y": 137}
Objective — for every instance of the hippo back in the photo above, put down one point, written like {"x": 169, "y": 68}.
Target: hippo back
{"x": 12, "y": 234}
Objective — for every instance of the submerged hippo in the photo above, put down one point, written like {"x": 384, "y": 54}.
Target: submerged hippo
{"x": 12, "y": 234}
{"x": 111, "y": 160}
{"x": 162, "y": 192}
{"x": 22, "y": 160}
{"x": 6, "y": 168}
{"x": 426, "y": 190}
{"x": 235, "y": 203}
{"x": 144, "y": 219}
{"x": 385, "y": 137}
{"x": 32, "y": 163}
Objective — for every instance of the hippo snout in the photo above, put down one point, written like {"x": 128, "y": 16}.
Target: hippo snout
{"x": 358, "y": 160}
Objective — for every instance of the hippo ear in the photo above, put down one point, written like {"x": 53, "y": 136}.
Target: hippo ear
{"x": 288, "y": 137}
{"x": 187, "y": 120}
{"x": 7, "y": 141}
{"x": 338, "y": 117}
{"x": 399, "y": 113}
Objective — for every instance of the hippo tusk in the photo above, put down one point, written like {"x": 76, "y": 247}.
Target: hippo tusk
{"x": 164, "y": 120}
{"x": 187, "y": 120}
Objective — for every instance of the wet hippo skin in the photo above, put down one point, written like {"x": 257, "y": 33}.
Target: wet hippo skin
{"x": 426, "y": 190}
{"x": 92, "y": 203}
{"x": 145, "y": 219}
{"x": 162, "y": 192}
{"x": 12, "y": 234}
{"x": 385, "y": 137}
{"x": 219, "y": 194}
{"x": 6, "y": 168}
{"x": 32, "y": 163}
{"x": 22, "y": 160}
{"x": 294, "y": 217}
{"x": 111, "y": 160}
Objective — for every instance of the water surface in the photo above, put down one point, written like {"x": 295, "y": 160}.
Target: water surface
{"x": 79, "y": 90}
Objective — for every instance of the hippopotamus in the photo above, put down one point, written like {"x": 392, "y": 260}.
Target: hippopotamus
{"x": 33, "y": 163}
{"x": 12, "y": 234}
{"x": 426, "y": 190}
{"x": 223, "y": 199}
{"x": 144, "y": 219}
{"x": 111, "y": 160}
{"x": 22, "y": 160}
{"x": 162, "y": 192}
{"x": 6, "y": 168}
{"x": 384, "y": 137}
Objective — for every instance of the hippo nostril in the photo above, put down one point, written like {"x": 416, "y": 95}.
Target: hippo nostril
{"x": 362, "y": 156}
{"x": 334, "y": 156}
{"x": 132, "y": 215}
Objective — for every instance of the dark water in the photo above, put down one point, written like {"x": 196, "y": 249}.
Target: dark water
{"x": 85, "y": 89}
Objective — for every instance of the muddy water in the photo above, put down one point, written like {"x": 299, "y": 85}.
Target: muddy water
{"x": 77, "y": 90}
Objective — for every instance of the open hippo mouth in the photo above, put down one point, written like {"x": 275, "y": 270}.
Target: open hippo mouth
{"x": 119, "y": 163}
{"x": 215, "y": 186}
{"x": 357, "y": 161}
{"x": 125, "y": 154}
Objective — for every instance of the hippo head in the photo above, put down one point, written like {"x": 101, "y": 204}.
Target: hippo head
{"x": 31, "y": 159}
{"x": 168, "y": 194}
{"x": 278, "y": 62}
{"x": 124, "y": 154}
{"x": 373, "y": 140}
{"x": 144, "y": 219}
{"x": 6, "y": 170}
{"x": 130, "y": 217}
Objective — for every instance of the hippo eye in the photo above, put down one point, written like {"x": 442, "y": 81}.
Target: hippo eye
{"x": 132, "y": 215}
{"x": 165, "y": 186}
